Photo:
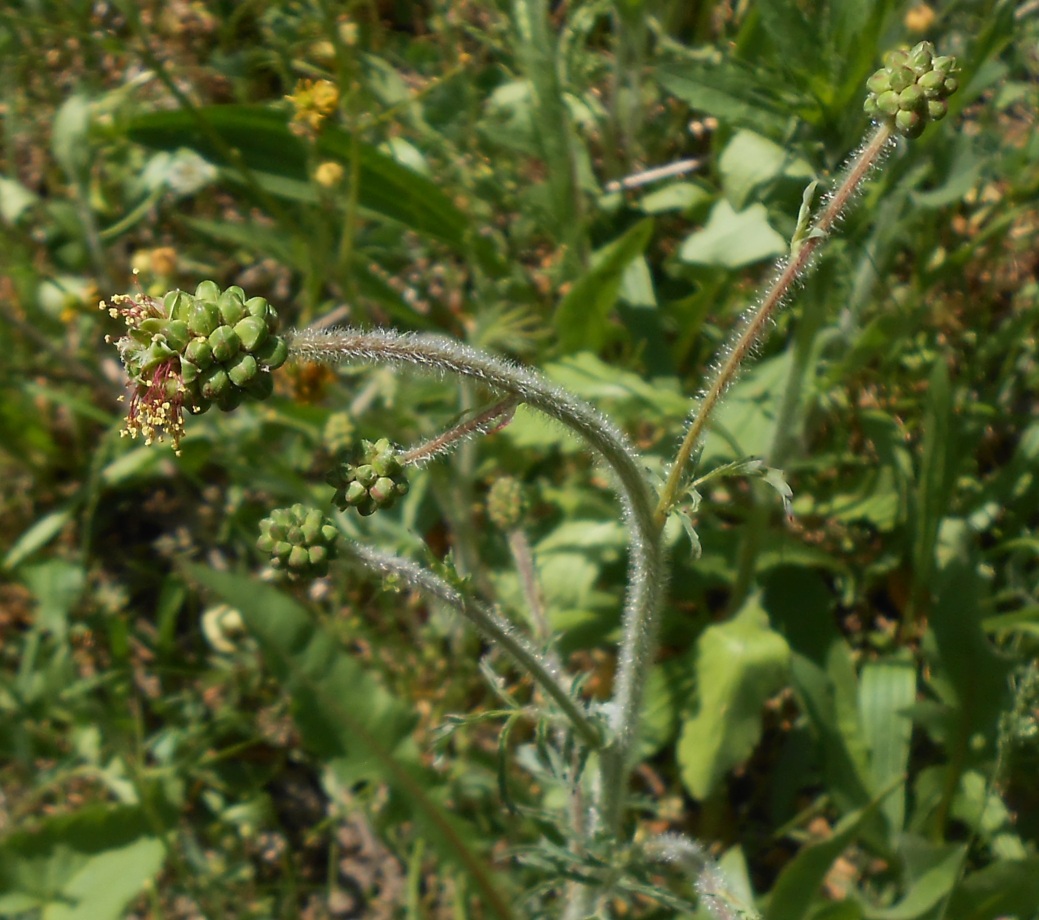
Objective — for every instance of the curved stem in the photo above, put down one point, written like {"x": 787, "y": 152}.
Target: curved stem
{"x": 647, "y": 576}
{"x": 500, "y": 631}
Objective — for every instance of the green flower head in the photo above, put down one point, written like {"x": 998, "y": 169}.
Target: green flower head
{"x": 191, "y": 352}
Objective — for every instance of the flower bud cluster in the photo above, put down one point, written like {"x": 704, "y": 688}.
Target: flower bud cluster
{"x": 193, "y": 352}
{"x": 910, "y": 90}
{"x": 506, "y": 503}
{"x": 300, "y": 541}
{"x": 377, "y": 481}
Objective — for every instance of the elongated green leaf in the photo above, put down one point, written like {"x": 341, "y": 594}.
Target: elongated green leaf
{"x": 580, "y": 319}
{"x": 37, "y": 536}
{"x": 349, "y": 720}
{"x": 739, "y": 664}
{"x": 937, "y": 473}
{"x": 799, "y": 882}
{"x": 1008, "y": 888}
{"x": 83, "y": 866}
{"x": 927, "y": 891}
{"x": 823, "y": 672}
{"x": 262, "y": 140}
{"x": 272, "y": 242}
{"x": 887, "y": 689}
{"x": 731, "y": 93}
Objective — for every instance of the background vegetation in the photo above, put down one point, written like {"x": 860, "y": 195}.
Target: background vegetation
{"x": 844, "y": 705}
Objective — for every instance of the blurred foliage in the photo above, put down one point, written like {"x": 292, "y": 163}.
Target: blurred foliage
{"x": 845, "y": 701}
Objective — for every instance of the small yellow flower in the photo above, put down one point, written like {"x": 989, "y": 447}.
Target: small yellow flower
{"x": 312, "y": 102}
{"x": 328, "y": 174}
{"x": 920, "y": 18}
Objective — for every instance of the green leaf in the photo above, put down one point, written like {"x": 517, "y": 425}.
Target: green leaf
{"x": 733, "y": 240}
{"x": 727, "y": 90}
{"x": 349, "y": 720}
{"x": 15, "y": 200}
{"x": 85, "y": 866}
{"x": 968, "y": 673}
{"x": 750, "y": 161}
{"x": 1008, "y": 888}
{"x": 798, "y": 884}
{"x": 57, "y": 586}
{"x": 581, "y": 318}
{"x": 937, "y": 475}
{"x": 37, "y": 536}
{"x": 928, "y": 890}
{"x": 887, "y": 690}
{"x": 739, "y": 665}
{"x": 69, "y": 136}
{"x": 295, "y": 252}
{"x": 823, "y": 674}
{"x": 262, "y": 139}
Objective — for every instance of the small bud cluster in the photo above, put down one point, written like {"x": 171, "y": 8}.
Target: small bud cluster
{"x": 193, "y": 352}
{"x": 910, "y": 90}
{"x": 300, "y": 541}
{"x": 506, "y": 503}
{"x": 377, "y": 481}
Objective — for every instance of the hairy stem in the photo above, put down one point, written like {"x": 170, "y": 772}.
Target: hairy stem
{"x": 752, "y": 330}
{"x": 647, "y": 570}
{"x": 487, "y": 622}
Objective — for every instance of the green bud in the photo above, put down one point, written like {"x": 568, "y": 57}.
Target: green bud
{"x": 258, "y": 307}
{"x": 177, "y": 335}
{"x": 225, "y": 343}
{"x": 252, "y": 331}
{"x": 177, "y": 304}
{"x": 242, "y": 370}
{"x": 366, "y": 475}
{"x": 199, "y": 352}
{"x": 931, "y": 84}
{"x": 355, "y": 492}
{"x": 207, "y": 290}
{"x": 950, "y": 86}
{"x": 231, "y": 305}
{"x": 273, "y": 352}
{"x": 506, "y": 503}
{"x": 879, "y": 83}
{"x": 937, "y": 109}
{"x": 317, "y": 558}
{"x": 888, "y": 102}
{"x": 385, "y": 491}
{"x": 911, "y": 98}
{"x": 909, "y": 124}
{"x": 902, "y": 78}
{"x": 203, "y": 317}
{"x": 921, "y": 55}
{"x": 215, "y": 382}
{"x": 944, "y": 64}
{"x": 895, "y": 59}
{"x": 261, "y": 386}
{"x": 230, "y": 399}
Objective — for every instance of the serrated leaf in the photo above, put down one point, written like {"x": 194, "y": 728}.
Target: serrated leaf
{"x": 739, "y": 665}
